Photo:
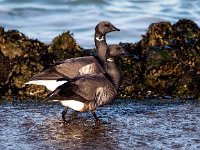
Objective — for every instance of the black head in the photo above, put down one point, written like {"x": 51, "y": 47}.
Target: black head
{"x": 105, "y": 27}
{"x": 115, "y": 50}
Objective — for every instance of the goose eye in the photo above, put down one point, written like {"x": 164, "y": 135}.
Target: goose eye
{"x": 107, "y": 25}
{"x": 118, "y": 48}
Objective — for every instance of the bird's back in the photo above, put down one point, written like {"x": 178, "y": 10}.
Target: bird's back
{"x": 70, "y": 68}
{"x": 79, "y": 66}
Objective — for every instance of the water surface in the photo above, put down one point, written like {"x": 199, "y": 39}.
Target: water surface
{"x": 126, "y": 124}
{"x": 46, "y": 19}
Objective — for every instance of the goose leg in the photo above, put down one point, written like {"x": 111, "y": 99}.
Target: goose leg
{"x": 97, "y": 121}
{"x": 64, "y": 112}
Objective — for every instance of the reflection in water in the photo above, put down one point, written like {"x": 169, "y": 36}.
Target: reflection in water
{"x": 32, "y": 125}
{"x": 80, "y": 133}
{"x": 126, "y": 124}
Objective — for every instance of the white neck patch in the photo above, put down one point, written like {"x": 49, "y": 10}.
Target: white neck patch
{"x": 110, "y": 59}
{"x": 100, "y": 38}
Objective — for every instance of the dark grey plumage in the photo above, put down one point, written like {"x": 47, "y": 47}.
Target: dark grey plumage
{"x": 93, "y": 90}
{"x": 88, "y": 92}
{"x": 77, "y": 66}
{"x": 71, "y": 68}
{"x": 111, "y": 68}
{"x": 101, "y": 30}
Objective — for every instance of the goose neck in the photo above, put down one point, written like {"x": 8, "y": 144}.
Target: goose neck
{"x": 101, "y": 47}
{"x": 99, "y": 39}
{"x": 113, "y": 73}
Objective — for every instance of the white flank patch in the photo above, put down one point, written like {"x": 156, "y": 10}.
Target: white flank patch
{"x": 101, "y": 94}
{"x": 50, "y": 84}
{"x": 88, "y": 69}
{"x": 76, "y": 105}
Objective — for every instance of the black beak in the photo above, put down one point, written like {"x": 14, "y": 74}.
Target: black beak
{"x": 115, "y": 29}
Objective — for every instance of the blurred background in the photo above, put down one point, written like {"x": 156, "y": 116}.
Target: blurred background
{"x": 43, "y": 20}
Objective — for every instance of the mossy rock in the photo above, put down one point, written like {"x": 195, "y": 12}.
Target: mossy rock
{"x": 166, "y": 56}
{"x": 64, "y": 46}
{"x": 21, "y": 58}
{"x": 166, "y": 61}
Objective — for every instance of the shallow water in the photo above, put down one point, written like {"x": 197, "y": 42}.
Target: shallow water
{"x": 46, "y": 19}
{"x": 126, "y": 124}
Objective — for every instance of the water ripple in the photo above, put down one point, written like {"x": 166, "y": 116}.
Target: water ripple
{"x": 46, "y": 19}
{"x": 126, "y": 124}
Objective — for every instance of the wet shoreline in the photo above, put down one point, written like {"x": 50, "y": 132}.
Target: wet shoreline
{"x": 126, "y": 124}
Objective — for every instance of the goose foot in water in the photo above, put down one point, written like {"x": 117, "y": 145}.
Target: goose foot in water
{"x": 64, "y": 112}
{"x": 97, "y": 121}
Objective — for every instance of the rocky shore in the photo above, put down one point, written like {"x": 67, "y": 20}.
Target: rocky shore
{"x": 165, "y": 63}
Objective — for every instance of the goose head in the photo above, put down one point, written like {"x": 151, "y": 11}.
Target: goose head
{"x": 115, "y": 50}
{"x": 105, "y": 27}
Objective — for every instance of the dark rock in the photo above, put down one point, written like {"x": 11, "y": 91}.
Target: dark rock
{"x": 169, "y": 62}
{"x": 64, "y": 46}
{"x": 22, "y": 57}
{"x": 164, "y": 63}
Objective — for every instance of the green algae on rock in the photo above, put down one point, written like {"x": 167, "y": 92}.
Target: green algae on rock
{"x": 169, "y": 61}
{"x": 64, "y": 46}
{"x": 22, "y": 57}
{"x": 165, "y": 62}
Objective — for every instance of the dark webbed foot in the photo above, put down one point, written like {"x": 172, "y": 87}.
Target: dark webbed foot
{"x": 97, "y": 121}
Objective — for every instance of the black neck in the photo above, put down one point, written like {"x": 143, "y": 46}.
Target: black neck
{"x": 113, "y": 73}
{"x": 101, "y": 47}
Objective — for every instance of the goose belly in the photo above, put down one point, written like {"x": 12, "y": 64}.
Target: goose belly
{"x": 50, "y": 84}
{"x": 73, "y": 104}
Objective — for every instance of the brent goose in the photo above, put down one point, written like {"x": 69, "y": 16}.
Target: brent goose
{"x": 75, "y": 67}
{"x": 100, "y": 39}
{"x": 87, "y": 92}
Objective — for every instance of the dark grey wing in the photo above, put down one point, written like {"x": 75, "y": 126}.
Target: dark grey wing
{"x": 48, "y": 74}
{"x": 95, "y": 88}
{"x": 104, "y": 95}
{"x": 65, "y": 92}
{"x": 71, "y": 68}
{"x": 79, "y": 66}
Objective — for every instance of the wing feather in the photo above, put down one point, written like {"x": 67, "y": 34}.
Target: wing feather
{"x": 93, "y": 88}
{"x": 71, "y": 68}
